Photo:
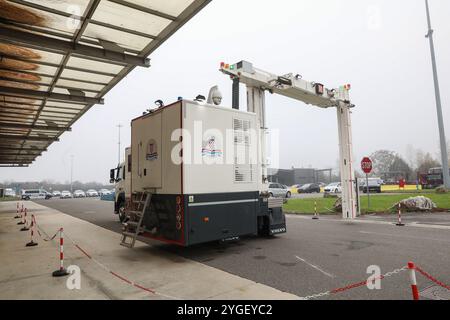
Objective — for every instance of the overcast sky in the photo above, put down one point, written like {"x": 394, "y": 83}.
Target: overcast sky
{"x": 376, "y": 45}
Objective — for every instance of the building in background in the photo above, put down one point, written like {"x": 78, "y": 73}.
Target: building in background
{"x": 300, "y": 176}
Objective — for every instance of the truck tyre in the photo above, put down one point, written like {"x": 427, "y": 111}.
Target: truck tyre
{"x": 288, "y": 194}
{"x": 263, "y": 227}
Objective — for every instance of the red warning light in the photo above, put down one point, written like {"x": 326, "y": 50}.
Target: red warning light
{"x": 319, "y": 88}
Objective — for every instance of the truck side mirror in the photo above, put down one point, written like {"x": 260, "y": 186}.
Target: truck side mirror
{"x": 112, "y": 177}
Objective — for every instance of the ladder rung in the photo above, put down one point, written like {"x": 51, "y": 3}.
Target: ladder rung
{"x": 129, "y": 234}
{"x": 137, "y": 213}
{"x": 131, "y": 223}
{"x": 128, "y": 245}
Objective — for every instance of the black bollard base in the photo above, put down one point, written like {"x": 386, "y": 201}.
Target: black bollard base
{"x": 315, "y": 218}
{"x": 25, "y": 229}
{"x": 400, "y": 224}
{"x": 31, "y": 244}
{"x": 17, "y": 217}
{"x": 20, "y": 223}
{"x": 60, "y": 273}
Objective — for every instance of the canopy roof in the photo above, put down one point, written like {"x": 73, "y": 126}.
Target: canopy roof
{"x": 59, "y": 58}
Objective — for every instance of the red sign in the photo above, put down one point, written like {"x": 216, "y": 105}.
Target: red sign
{"x": 366, "y": 165}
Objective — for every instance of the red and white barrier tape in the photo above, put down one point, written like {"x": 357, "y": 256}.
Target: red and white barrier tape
{"x": 433, "y": 279}
{"x": 411, "y": 267}
{"x": 354, "y": 285}
{"x": 98, "y": 263}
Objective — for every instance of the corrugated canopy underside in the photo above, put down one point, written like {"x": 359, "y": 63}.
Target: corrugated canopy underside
{"x": 59, "y": 58}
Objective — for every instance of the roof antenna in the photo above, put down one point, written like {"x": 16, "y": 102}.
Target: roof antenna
{"x": 200, "y": 98}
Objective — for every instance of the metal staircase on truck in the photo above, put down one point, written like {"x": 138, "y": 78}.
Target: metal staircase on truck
{"x": 133, "y": 228}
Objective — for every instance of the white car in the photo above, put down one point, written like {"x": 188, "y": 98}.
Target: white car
{"x": 66, "y": 195}
{"x": 35, "y": 194}
{"x": 91, "y": 193}
{"x": 56, "y": 193}
{"x": 10, "y": 192}
{"x": 104, "y": 192}
{"x": 335, "y": 187}
{"x": 79, "y": 194}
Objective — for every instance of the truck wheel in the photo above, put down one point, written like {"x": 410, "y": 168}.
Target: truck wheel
{"x": 122, "y": 214}
{"x": 288, "y": 194}
{"x": 263, "y": 227}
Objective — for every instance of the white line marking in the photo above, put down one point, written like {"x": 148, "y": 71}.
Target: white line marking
{"x": 216, "y": 203}
{"x": 400, "y": 236}
{"x": 316, "y": 267}
{"x": 410, "y": 224}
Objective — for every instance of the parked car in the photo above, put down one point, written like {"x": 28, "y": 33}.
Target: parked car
{"x": 335, "y": 187}
{"x": 374, "y": 185}
{"x": 35, "y": 194}
{"x": 66, "y": 195}
{"x": 91, "y": 193}
{"x": 79, "y": 194}
{"x": 56, "y": 193}
{"x": 104, "y": 192}
{"x": 9, "y": 192}
{"x": 309, "y": 188}
{"x": 278, "y": 190}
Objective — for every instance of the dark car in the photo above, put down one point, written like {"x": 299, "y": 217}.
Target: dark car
{"x": 309, "y": 188}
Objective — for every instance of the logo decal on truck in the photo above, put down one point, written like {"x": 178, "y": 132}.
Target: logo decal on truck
{"x": 210, "y": 149}
{"x": 152, "y": 151}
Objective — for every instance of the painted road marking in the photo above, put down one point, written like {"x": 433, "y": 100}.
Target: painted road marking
{"x": 316, "y": 267}
{"x": 401, "y": 236}
{"x": 415, "y": 224}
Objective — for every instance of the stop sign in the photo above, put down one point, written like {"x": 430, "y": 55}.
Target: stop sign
{"x": 366, "y": 165}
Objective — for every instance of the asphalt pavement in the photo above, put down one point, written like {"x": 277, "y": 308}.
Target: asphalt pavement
{"x": 314, "y": 256}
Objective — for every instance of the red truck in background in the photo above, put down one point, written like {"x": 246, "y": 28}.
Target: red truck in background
{"x": 433, "y": 179}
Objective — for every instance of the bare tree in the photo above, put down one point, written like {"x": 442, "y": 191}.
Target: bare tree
{"x": 425, "y": 162}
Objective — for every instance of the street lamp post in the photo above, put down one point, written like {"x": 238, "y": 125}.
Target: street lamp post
{"x": 443, "y": 141}
{"x": 71, "y": 174}
{"x": 119, "y": 126}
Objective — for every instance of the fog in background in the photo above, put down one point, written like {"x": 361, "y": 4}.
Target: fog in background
{"x": 378, "y": 46}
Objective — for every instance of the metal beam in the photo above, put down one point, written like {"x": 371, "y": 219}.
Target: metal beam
{"x": 69, "y": 47}
{"x": 7, "y": 148}
{"x": 50, "y": 95}
{"x": 30, "y": 138}
{"x": 13, "y": 165}
{"x": 36, "y": 127}
{"x": 2, "y": 154}
{"x": 8, "y": 108}
{"x": 18, "y": 157}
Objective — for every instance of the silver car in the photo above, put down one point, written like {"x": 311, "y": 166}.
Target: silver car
{"x": 277, "y": 190}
